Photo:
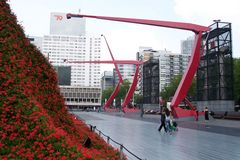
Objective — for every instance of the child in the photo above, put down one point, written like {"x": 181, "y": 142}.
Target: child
{"x": 174, "y": 125}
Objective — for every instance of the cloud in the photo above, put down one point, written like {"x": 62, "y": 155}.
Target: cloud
{"x": 205, "y": 11}
{"x": 208, "y": 9}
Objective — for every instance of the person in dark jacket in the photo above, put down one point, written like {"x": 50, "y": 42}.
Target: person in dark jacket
{"x": 163, "y": 120}
{"x": 206, "y": 113}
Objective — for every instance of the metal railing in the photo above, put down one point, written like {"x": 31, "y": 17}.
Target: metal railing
{"x": 109, "y": 139}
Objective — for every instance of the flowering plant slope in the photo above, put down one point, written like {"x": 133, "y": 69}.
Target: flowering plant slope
{"x": 34, "y": 123}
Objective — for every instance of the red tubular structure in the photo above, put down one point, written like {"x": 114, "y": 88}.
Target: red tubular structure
{"x": 132, "y": 87}
{"x": 113, "y": 95}
{"x": 188, "y": 76}
{"x": 114, "y": 62}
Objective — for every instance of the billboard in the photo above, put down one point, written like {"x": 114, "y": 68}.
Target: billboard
{"x": 60, "y": 25}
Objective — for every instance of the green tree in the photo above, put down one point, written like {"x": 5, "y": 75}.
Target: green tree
{"x": 123, "y": 89}
{"x": 138, "y": 98}
{"x": 169, "y": 90}
{"x": 106, "y": 93}
{"x": 236, "y": 71}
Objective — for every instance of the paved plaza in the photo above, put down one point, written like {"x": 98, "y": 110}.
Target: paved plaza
{"x": 213, "y": 140}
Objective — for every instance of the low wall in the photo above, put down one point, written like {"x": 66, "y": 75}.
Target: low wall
{"x": 151, "y": 106}
{"x": 219, "y": 105}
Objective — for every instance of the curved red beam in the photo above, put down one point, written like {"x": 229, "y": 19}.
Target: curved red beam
{"x": 131, "y": 90}
{"x": 188, "y": 75}
{"x": 114, "y": 93}
{"x": 111, "y": 62}
{"x": 177, "y": 25}
{"x": 116, "y": 67}
{"x": 132, "y": 87}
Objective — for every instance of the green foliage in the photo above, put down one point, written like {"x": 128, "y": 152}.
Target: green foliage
{"x": 169, "y": 90}
{"x": 121, "y": 93}
{"x": 107, "y": 93}
{"x": 236, "y": 70}
{"x": 138, "y": 99}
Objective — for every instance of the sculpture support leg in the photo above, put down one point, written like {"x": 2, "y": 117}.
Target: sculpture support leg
{"x": 131, "y": 90}
{"x": 188, "y": 76}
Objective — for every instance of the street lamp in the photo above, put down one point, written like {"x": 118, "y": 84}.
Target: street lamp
{"x": 217, "y": 20}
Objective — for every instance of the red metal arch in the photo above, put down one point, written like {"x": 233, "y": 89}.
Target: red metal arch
{"x": 132, "y": 87}
{"x": 188, "y": 76}
{"x": 114, "y": 93}
{"x": 116, "y": 90}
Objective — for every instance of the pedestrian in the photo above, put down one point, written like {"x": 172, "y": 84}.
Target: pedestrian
{"x": 168, "y": 120}
{"x": 163, "y": 120}
{"x": 206, "y": 113}
{"x": 197, "y": 114}
{"x": 142, "y": 111}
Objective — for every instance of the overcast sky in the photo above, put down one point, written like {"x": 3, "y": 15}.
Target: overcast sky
{"x": 125, "y": 39}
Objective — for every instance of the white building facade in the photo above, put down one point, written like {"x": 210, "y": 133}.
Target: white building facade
{"x": 127, "y": 71}
{"x": 107, "y": 80}
{"x": 170, "y": 65}
{"x": 187, "y": 46}
{"x": 59, "y": 48}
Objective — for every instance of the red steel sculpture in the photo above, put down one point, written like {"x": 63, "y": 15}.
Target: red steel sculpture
{"x": 114, "y": 93}
{"x": 188, "y": 75}
{"x": 132, "y": 87}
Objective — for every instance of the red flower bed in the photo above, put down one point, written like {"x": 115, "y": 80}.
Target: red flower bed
{"x": 34, "y": 123}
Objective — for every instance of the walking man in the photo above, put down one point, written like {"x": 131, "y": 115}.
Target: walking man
{"x": 206, "y": 113}
{"x": 163, "y": 119}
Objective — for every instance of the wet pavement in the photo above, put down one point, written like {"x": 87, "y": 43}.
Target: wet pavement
{"x": 212, "y": 140}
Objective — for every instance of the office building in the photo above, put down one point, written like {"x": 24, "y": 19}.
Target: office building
{"x": 107, "y": 80}
{"x": 126, "y": 70}
{"x": 187, "y": 46}
{"x": 62, "y": 50}
{"x": 81, "y": 98}
{"x": 170, "y": 65}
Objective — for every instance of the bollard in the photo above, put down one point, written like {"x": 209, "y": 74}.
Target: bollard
{"x": 121, "y": 151}
{"x": 87, "y": 142}
{"x": 108, "y": 138}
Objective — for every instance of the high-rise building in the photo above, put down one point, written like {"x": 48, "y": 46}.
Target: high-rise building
{"x": 187, "y": 46}
{"x": 170, "y": 65}
{"x": 59, "y": 48}
{"x": 107, "y": 80}
{"x": 127, "y": 71}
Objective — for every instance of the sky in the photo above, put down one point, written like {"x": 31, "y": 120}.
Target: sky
{"x": 124, "y": 38}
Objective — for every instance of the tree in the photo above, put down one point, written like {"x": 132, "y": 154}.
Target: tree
{"x": 120, "y": 95}
{"x": 169, "y": 90}
{"x": 236, "y": 71}
{"x": 138, "y": 98}
{"x": 106, "y": 94}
